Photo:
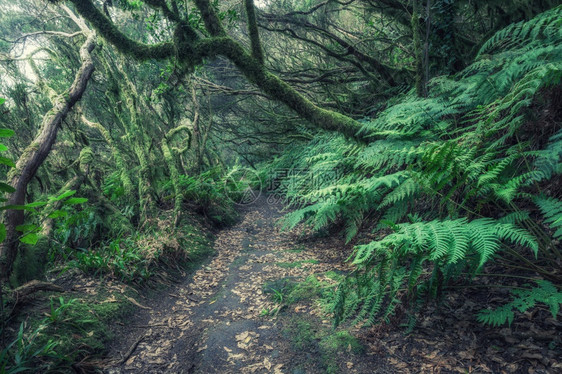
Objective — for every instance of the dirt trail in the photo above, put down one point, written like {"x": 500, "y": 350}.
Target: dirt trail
{"x": 220, "y": 320}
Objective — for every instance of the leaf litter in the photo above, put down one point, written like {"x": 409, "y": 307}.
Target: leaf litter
{"x": 219, "y": 320}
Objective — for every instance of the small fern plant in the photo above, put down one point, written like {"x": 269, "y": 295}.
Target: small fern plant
{"x": 545, "y": 292}
{"x": 448, "y": 245}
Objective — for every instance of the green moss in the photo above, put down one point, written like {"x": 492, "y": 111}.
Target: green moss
{"x": 310, "y": 289}
{"x": 126, "y": 45}
{"x": 341, "y": 341}
{"x": 296, "y": 250}
{"x": 253, "y": 31}
{"x": 302, "y": 334}
{"x": 331, "y": 346}
{"x": 277, "y": 89}
{"x": 292, "y": 291}
{"x": 30, "y": 263}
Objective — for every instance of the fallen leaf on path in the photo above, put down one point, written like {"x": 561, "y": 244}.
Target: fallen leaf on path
{"x": 110, "y": 299}
{"x": 266, "y": 363}
{"x": 136, "y": 303}
{"x": 235, "y": 356}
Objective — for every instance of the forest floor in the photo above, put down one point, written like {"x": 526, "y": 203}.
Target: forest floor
{"x": 253, "y": 308}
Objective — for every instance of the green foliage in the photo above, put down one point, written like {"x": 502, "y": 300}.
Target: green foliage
{"x": 524, "y": 299}
{"x": 450, "y": 245}
{"x": 452, "y": 174}
{"x": 75, "y": 229}
{"x": 20, "y": 354}
{"x": 446, "y": 241}
{"x": 332, "y": 347}
{"x": 208, "y": 191}
{"x": 73, "y": 329}
{"x": 552, "y": 210}
{"x": 120, "y": 258}
{"x": 135, "y": 257}
{"x": 57, "y": 312}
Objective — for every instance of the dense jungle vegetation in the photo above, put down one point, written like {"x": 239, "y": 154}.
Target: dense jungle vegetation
{"x": 426, "y": 135}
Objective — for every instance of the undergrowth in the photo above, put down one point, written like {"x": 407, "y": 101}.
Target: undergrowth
{"x": 449, "y": 184}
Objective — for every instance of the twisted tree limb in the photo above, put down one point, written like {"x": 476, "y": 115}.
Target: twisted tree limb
{"x": 34, "y": 155}
{"x": 191, "y": 49}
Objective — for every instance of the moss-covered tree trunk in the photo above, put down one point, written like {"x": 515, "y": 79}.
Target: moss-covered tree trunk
{"x": 122, "y": 168}
{"x": 124, "y": 94}
{"x": 139, "y": 142}
{"x": 34, "y": 155}
{"x": 174, "y": 178}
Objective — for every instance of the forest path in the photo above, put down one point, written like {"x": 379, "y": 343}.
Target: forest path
{"x": 220, "y": 320}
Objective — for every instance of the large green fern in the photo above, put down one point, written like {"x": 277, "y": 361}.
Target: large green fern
{"x": 454, "y": 174}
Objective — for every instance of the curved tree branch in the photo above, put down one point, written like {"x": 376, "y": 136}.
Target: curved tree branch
{"x": 219, "y": 44}
{"x": 34, "y": 155}
{"x": 125, "y": 44}
{"x": 387, "y": 73}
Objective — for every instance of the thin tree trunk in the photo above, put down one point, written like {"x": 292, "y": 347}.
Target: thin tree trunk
{"x": 116, "y": 153}
{"x": 418, "y": 54}
{"x": 174, "y": 177}
{"x": 426, "y": 48}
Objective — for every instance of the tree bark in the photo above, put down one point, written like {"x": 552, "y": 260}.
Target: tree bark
{"x": 37, "y": 152}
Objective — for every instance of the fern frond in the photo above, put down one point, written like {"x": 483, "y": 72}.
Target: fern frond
{"x": 552, "y": 211}
{"x": 545, "y": 292}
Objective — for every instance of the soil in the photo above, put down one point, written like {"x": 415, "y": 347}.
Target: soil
{"x": 224, "y": 318}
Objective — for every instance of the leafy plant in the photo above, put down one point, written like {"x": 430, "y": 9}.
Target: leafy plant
{"x": 452, "y": 175}
{"x": 545, "y": 292}
{"x": 57, "y": 312}
{"x": 20, "y": 354}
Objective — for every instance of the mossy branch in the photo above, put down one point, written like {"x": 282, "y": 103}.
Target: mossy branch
{"x": 210, "y": 18}
{"x": 219, "y": 44}
{"x": 125, "y": 44}
{"x": 161, "y": 5}
{"x": 277, "y": 89}
{"x": 176, "y": 130}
